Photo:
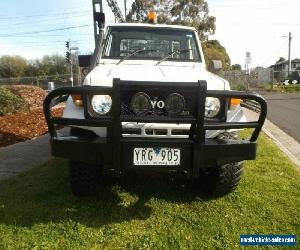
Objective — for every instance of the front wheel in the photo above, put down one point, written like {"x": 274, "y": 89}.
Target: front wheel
{"x": 221, "y": 180}
{"x": 85, "y": 179}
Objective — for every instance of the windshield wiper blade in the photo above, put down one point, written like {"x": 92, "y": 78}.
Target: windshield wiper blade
{"x": 134, "y": 53}
{"x": 172, "y": 53}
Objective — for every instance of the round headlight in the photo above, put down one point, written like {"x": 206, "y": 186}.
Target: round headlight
{"x": 174, "y": 104}
{"x": 101, "y": 104}
{"x": 212, "y": 107}
{"x": 140, "y": 103}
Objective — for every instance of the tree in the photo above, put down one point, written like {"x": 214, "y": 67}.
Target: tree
{"x": 281, "y": 59}
{"x": 183, "y": 12}
{"x": 236, "y": 67}
{"x": 12, "y": 66}
{"x": 16, "y": 66}
{"x": 213, "y": 50}
{"x": 52, "y": 65}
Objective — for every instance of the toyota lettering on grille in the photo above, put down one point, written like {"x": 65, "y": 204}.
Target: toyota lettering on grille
{"x": 157, "y": 103}
{"x": 141, "y": 103}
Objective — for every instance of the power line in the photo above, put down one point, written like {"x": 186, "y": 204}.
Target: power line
{"x": 52, "y": 41}
{"x": 44, "y": 31}
{"x": 43, "y": 15}
{"x": 260, "y": 23}
{"x": 246, "y": 6}
{"x": 274, "y": 54}
{"x": 43, "y": 20}
{"x": 51, "y": 35}
{"x": 54, "y": 11}
{"x": 37, "y": 46}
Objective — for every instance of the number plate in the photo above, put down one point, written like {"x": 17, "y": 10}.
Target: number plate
{"x": 156, "y": 156}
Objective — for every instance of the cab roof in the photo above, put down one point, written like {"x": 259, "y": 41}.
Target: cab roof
{"x": 151, "y": 25}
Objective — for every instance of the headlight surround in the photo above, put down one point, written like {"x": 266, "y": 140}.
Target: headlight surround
{"x": 212, "y": 107}
{"x": 174, "y": 104}
{"x": 101, "y": 104}
{"x": 140, "y": 103}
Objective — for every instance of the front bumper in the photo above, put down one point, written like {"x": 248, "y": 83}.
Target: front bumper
{"x": 115, "y": 152}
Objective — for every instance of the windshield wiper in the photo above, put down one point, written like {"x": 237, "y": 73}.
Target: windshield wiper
{"x": 134, "y": 53}
{"x": 172, "y": 53}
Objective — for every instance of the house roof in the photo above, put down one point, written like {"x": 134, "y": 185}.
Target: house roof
{"x": 296, "y": 60}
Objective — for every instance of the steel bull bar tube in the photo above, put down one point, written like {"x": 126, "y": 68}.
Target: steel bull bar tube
{"x": 116, "y": 151}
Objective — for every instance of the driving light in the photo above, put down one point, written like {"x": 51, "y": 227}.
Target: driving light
{"x": 175, "y": 104}
{"x": 101, "y": 104}
{"x": 140, "y": 103}
{"x": 212, "y": 107}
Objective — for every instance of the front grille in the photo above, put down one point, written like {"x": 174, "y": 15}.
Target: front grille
{"x": 155, "y": 96}
{"x": 179, "y": 132}
{"x": 157, "y": 91}
{"x": 126, "y": 109}
{"x": 156, "y": 131}
{"x": 132, "y": 131}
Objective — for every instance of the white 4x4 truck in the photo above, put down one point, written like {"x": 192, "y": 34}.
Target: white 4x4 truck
{"x": 150, "y": 104}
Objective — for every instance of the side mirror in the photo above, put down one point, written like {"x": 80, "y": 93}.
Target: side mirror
{"x": 99, "y": 17}
{"x": 84, "y": 61}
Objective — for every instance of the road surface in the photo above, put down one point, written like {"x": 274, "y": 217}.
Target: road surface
{"x": 284, "y": 111}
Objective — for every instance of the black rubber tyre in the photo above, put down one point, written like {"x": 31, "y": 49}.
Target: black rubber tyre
{"x": 219, "y": 181}
{"x": 85, "y": 179}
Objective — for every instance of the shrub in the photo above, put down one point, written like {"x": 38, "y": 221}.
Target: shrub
{"x": 241, "y": 86}
{"x": 10, "y": 103}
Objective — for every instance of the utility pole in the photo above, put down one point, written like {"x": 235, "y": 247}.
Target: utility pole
{"x": 289, "y": 59}
{"x": 74, "y": 60}
{"x": 72, "y": 78}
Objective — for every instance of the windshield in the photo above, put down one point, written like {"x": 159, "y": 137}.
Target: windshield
{"x": 157, "y": 43}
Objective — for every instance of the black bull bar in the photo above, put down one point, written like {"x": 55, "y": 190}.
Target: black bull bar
{"x": 115, "y": 152}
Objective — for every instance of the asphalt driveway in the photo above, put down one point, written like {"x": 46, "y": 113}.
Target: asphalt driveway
{"x": 23, "y": 156}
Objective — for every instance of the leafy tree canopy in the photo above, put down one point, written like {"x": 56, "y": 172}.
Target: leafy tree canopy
{"x": 12, "y": 66}
{"x": 213, "y": 50}
{"x": 236, "y": 67}
{"x": 281, "y": 59}
{"x": 17, "y": 66}
{"x": 183, "y": 12}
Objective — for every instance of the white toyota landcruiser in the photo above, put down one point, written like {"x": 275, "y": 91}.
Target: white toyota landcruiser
{"x": 150, "y": 104}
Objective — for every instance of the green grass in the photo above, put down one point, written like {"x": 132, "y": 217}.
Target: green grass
{"x": 282, "y": 88}
{"x": 37, "y": 210}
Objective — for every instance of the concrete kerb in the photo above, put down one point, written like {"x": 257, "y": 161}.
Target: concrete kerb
{"x": 286, "y": 143}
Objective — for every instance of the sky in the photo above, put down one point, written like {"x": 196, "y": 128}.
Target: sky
{"x": 33, "y": 28}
